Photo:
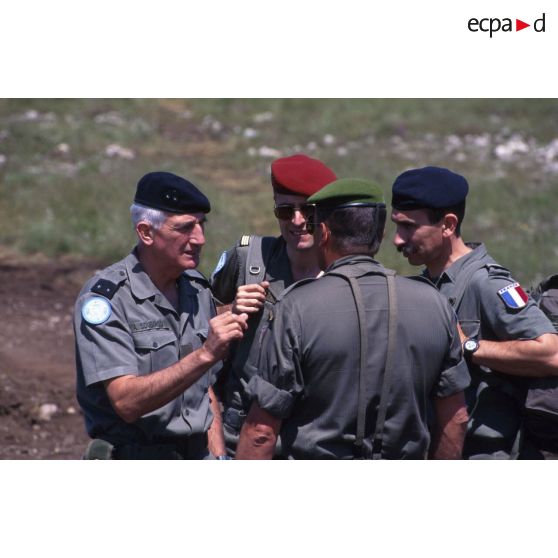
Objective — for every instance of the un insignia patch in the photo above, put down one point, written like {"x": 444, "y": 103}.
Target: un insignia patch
{"x": 96, "y": 310}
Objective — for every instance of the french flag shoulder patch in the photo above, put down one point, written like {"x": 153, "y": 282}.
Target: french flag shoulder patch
{"x": 514, "y": 296}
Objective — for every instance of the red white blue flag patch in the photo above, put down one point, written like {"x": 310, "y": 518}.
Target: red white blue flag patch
{"x": 514, "y": 296}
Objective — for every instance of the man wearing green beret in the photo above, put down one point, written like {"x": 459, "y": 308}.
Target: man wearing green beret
{"x": 352, "y": 361}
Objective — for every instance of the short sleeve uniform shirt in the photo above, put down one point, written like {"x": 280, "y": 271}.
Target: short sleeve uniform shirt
{"x": 142, "y": 334}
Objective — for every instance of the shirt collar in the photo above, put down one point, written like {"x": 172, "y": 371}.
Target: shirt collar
{"x": 354, "y": 259}
{"x": 140, "y": 283}
{"x": 478, "y": 252}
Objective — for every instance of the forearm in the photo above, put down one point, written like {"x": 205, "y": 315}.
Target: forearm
{"x": 450, "y": 429}
{"x": 134, "y": 396}
{"x": 215, "y": 436}
{"x": 532, "y": 358}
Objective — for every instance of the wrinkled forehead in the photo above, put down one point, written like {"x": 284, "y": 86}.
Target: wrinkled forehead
{"x": 411, "y": 216}
{"x": 177, "y": 219}
{"x": 294, "y": 199}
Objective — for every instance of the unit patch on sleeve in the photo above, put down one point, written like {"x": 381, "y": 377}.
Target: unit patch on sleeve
{"x": 220, "y": 264}
{"x": 96, "y": 310}
{"x": 514, "y": 296}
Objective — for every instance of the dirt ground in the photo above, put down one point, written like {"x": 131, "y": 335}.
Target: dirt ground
{"x": 39, "y": 415}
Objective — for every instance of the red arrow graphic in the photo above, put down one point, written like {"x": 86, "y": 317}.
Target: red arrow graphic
{"x": 519, "y": 25}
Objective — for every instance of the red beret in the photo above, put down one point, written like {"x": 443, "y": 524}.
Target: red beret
{"x": 300, "y": 174}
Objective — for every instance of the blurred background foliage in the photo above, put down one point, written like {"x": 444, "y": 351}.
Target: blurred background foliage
{"x": 68, "y": 167}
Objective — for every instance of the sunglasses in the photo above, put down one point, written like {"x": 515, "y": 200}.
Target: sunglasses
{"x": 286, "y": 211}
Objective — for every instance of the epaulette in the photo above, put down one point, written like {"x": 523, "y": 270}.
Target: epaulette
{"x": 244, "y": 240}
{"x": 109, "y": 281}
{"x": 497, "y": 270}
{"x": 105, "y": 288}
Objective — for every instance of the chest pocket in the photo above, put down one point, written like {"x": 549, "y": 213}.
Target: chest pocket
{"x": 156, "y": 349}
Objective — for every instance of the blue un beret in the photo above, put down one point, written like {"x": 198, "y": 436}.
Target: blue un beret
{"x": 172, "y": 193}
{"x": 428, "y": 188}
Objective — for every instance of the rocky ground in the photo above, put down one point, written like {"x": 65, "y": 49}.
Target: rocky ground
{"x": 39, "y": 416}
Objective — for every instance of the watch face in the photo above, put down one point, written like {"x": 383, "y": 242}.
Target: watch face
{"x": 470, "y": 345}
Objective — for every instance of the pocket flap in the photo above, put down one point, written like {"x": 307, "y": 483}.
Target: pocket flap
{"x": 154, "y": 339}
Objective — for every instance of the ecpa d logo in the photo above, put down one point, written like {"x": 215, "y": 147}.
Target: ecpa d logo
{"x": 494, "y": 24}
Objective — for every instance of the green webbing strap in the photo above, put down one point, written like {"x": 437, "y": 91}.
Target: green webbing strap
{"x": 388, "y": 371}
{"x": 388, "y": 368}
{"x": 361, "y": 403}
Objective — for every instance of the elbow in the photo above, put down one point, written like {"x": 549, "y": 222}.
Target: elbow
{"x": 262, "y": 435}
{"x": 126, "y": 411}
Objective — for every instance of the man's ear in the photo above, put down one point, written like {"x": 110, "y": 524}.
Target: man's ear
{"x": 325, "y": 235}
{"x": 449, "y": 224}
{"x": 145, "y": 233}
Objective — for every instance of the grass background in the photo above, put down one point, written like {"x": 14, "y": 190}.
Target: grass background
{"x": 68, "y": 167}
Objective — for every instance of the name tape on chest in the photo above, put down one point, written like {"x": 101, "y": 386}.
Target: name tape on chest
{"x": 96, "y": 310}
{"x": 514, "y": 296}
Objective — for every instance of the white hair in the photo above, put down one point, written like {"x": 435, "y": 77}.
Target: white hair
{"x": 155, "y": 217}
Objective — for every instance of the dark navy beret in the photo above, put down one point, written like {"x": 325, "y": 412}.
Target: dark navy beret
{"x": 428, "y": 188}
{"x": 172, "y": 193}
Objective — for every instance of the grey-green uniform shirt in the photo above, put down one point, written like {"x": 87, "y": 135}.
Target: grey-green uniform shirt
{"x": 230, "y": 274}
{"x": 310, "y": 361}
{"x": 495, "y": 400}
{"x": 142, "y": 334}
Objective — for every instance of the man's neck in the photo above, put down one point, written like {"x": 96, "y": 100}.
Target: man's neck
{"x": 304, "y": 263}
{"x": 453, "y": 251}
{"x": 164, "y": 279}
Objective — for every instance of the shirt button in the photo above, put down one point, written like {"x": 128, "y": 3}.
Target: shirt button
{"x": 186, "y": 412}
{"x": 155, "y": 345}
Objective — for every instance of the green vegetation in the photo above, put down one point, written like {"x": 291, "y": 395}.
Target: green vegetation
{"x": 68, "y": 167}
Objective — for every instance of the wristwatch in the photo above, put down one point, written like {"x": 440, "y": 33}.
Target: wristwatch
{"x": 223, "y": 458}
{"x": 470, "y": 347}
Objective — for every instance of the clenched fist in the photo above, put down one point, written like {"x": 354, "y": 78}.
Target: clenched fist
{"x": 223, "y": 330}
{"x": 250, "y": 298}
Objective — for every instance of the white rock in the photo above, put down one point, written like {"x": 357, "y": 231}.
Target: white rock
{"x": 329, "y": 139}
{"x": 250, "y": 133}
{"x": 262, "y": 117}
{"x": 265, "y": 151}
{"x": 47, "y": 410}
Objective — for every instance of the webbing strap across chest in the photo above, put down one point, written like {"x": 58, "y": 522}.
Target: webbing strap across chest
{"x": 377, "y": 440}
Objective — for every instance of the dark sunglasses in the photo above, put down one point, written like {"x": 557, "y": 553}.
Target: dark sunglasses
{"x": 286, "y": 211}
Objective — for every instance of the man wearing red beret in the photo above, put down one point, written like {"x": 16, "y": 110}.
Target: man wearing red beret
{"x": 250, "y": 276}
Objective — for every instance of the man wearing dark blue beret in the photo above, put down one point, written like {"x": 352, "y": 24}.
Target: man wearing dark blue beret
{"x": 148, "y": 343}
{"x": 507, "y": 340}
{"x": 351, "y": 361}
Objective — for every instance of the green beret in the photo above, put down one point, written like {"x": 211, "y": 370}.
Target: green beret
{"x": 347, "y": 192}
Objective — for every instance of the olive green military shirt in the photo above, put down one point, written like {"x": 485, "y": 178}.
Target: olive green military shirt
{"x": 310, "y": 363}
{"x": 495, "y": 400}
{"x": 140, "y": 333}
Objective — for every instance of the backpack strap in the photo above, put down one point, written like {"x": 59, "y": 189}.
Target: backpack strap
{"x": 377, "y": 440}
{"x": 251, "y": 258}
{"x": 254, "y": 266}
